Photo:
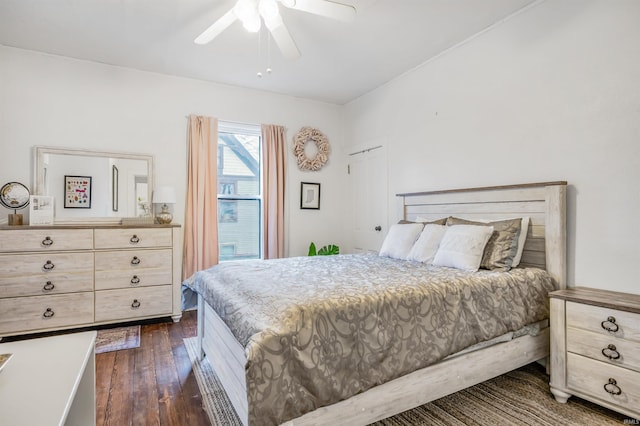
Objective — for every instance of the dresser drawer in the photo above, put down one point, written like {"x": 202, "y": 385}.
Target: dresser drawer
{"x": 590, "y": 377}
{"x": 45, "y": 312}
{"x": 133, "y": 268}
{"x": 596, "y": 318}
{"x": 600, "y": 347}
{"x": 112, "y": 238}
{"x": 45, "y": 240}
{"x": 45, "y": 273}
{"x": 133, "y": 303}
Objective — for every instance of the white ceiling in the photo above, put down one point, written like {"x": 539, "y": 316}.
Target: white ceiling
{"x": 339, "y": 61}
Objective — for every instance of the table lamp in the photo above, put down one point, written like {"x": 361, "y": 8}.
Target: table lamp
{"x": 164, "y": 195}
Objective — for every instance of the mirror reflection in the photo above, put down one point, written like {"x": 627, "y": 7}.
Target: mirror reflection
{"x": 89, "y": 185}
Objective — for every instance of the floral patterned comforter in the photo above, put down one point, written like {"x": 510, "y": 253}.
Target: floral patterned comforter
{"x": 317, "y": 330}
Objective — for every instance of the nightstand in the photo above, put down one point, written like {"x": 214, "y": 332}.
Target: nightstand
{"x": 595, "y": 348}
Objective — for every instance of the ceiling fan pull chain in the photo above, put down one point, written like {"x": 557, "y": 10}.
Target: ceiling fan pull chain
{"x": 259, "y": 74}
{"x": 269, "y": 53}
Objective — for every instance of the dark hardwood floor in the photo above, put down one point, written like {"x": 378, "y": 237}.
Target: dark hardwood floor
{"x": 152, "y": 384}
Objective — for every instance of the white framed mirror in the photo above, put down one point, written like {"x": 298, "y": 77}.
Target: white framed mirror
{"x": 94, "y": 186}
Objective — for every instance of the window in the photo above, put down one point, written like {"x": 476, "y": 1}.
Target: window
{"x": 239, "y": 192}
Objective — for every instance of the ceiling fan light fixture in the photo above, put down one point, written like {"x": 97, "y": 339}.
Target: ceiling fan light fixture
{"x": 252, "y": 24}
{"x": 247, "y": 12}
{"x": 288, "y": 3}
{"x": 268, "y": 9}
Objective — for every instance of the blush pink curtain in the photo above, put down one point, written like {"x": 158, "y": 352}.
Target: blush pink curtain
{"x": 273, "y": 178}
{"x": 201, "y": 211}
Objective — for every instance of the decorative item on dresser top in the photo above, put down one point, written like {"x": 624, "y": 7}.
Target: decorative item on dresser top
{"x": 164, "y": 195}
{"x": 595, "y": 348}
{"x": 15, "y": 196}
{"x": 67, "y": 276}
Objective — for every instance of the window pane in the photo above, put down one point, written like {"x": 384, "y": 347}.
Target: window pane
{"x": 238, "y": 164}
{"x": 239, "y": 229}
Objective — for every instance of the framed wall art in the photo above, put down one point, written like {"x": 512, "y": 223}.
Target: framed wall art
{"x": 310, "y": 195}
{"x": 77, "y": 192}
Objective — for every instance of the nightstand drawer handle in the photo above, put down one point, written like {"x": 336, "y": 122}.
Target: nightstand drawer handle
{"x": 135, "y": 280}
{"x": 135, "y": 304}
{"x": 47, "y": 241}
{"x": 609, "y": 325}
{"x": 612, "y": 387}
{"x": 48, "y": 286}
{"x": 48, "y": 313}
{"x": 611, "y": 352}
{"x": 135, "y": 260}
{"x": 134, "y": 240}
{"x": 48, "y": 266}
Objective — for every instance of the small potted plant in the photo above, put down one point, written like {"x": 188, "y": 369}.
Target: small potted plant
{"x": 324, "y": 251}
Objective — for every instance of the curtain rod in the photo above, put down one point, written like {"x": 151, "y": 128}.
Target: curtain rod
{"x": 365, "y": 150}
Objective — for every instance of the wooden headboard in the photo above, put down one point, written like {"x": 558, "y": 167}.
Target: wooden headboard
{"x": 544, "y": 203}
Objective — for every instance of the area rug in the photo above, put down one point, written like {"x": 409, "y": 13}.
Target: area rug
{"x": 115, "y": 339}
{"x": 520, "y": 397}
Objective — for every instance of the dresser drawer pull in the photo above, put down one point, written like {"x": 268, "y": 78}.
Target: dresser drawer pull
{"x": 610, "y": 325}
{"x": 612, "y": 387}
{"x": 48, "y": 313}
{"x": 47, "y": 242}
{"x": 48, "y": 286}
{"x": 135, "y": 280}
{"x": 134, "y": 239}
{"x": 48, "y": 266}
{"x": 135, "y": 260}
{"x": 135, "y": 304}
{"x": 611, "y": 352}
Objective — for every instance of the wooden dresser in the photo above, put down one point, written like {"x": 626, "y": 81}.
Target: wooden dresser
{"x": 595, "y": 348}
{"x": 59, "y": 277}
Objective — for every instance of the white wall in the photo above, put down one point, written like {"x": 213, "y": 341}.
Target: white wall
{"x": 551, "y": 94}
{"x": 63, "y": 102}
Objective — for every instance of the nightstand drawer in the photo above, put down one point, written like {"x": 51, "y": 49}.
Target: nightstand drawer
{"x": 609, "y": 349}
{"x": 133, "y": 303}
{"x": 45, "y": 312}
{"x": 132, "y": 238}
{"x": 45, "y": 240}
{"x": 598, "y": 319}
{"x": 604, "y": 381}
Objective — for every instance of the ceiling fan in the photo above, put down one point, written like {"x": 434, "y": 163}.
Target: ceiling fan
{"x": 252, "y": 12}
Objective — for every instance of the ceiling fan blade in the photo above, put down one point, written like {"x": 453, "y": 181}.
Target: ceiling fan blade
{"x": 216, "y": 28}
{"x": 327, "y": 8}
{"x": 282, "y": 37}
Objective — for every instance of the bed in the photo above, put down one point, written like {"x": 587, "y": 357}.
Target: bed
{"x": 227, "y": 329}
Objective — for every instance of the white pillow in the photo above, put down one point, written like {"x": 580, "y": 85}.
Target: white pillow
{"x": 400, "y": 239}
{"x": 424, "y": 250}
{"x": 462, "y": 246}
{"x": 524, "y": 228}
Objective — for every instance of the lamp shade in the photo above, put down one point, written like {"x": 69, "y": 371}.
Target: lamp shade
{"x": 164, "y": 195}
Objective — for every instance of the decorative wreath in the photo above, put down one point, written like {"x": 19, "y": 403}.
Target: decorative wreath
{"x": 309, "y": 134}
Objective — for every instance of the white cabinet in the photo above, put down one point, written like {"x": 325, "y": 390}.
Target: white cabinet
{"x": 49, "y": 381}
{"x": 76, "y": 276}
{"x": 595, "y": 348}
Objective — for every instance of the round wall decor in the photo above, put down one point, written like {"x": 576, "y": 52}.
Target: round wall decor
{"x": 300, "y": 140}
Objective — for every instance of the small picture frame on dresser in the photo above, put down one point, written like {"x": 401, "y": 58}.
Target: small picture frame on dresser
{"x": 41, "y": 210}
